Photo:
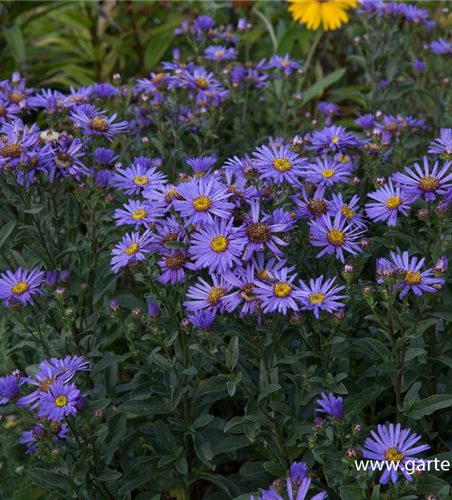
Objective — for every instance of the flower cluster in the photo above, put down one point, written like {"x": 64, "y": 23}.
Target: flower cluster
{"x": 54, "y": 399}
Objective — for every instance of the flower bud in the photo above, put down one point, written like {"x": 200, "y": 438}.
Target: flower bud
{"x": 296, "y": 144}
{"x": 84, "y": 287}
{"x": 318, "y": 424}
{"x": 56, "y": 451}
{"x": 367, "y": 290}
{"x": 339, "y": 315}
{"x": 365, "y": 243}
{"x": 185, "y": 324}
{"x": 423, "y": 214}
{"x": 64, "y": 277}
{"x": 60, "y": 291}
{"x": 137, "y": 312}
{"x": 154, "y": 310}
{"x": 441, "y": 266}
{"x": 110, "y": 199}
{"x": 99, "y": 414}
{"x": 115, "y": 307}
{"x": 356, "y": 181}
{"x": 351, "y": 453}
{"x": 357, "y": 429}
{"x": 380, "y": 181}
{"x": 296, "y": 318}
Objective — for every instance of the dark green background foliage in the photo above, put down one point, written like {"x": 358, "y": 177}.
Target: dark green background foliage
{"x": 189, "y": 417}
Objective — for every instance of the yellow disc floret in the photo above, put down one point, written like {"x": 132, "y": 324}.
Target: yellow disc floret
{"x": 132, "y": 250}
{"x": 394, "y": 202}
{"x": 394, "y": 455}
{"x": 139, "y": 214}
{"x": 282, "y": 164}
{"x": 282, "y": 290}
{"x": 336, "y": 237}
{"x": 61, "y": 401}
{"x": 19, "y": 288}
{"x": 202, "y": 203}
{"x": 412, "y": 278}
{"x": 317, "y": 298}
{"x": 219, "y": 244}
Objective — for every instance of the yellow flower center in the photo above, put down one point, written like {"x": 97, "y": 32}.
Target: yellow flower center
{"x": 201, "y": 83}
{"x": 20, "y": 288}
{"x": 328, "y": 173}
{"x": 393, "y": 203}
{"x": 429, "y": 184}
{"x": 139, "y": 214}
{"x": 282, "y": 164}
{"x": 282, "y": 290}
{"x": 44, "y": 386}
{"x": 132, "y": 250}
{"x": 336, "y": 237}
{"x": 99, "y": 124}
{"x": 11, "y": 150}
{"x": 61, "y": 401}
{"x": 412, "y": 278}
{"x": 219, "y": 244}
{"x": 262, "y": 275}
{"x": 202, "y": 203}
{"x": 140, "y": 180}
{"x": 347, "y": 212}
{"x": 343, "y": 158}
{"x": 317, "y": 298}
{"x": 335, "y": 139}
{"x": 215, "y": 295}
{"x": 394, "y": 455}
{"x": 285, "y": 63}
{"x": 219, "y": 53}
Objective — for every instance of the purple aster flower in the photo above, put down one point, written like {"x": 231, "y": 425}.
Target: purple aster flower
{"x": 94, "y": 122}
{"x": 217, "y": 246}
{"x": 130, "y": 250}
{"x": 8, "y": 110}
{"x": 320, "y": 295}
{"x": 207, "y": 296}
{"x": 21, "y": 285}
{"x": 385, "y": 269}
{"x": 59, "y": 402}
{"x": 138, "y": 177}
{"x": 440, "y": 46}
{"x": 298, "y": 472}
{"x": 239, "y": 192}
{"x": 204, "y": 320}
{"x": 17, "y": 140}
{"x": 260, "y": 233}
{"x": 52, "y": 100}
{"x": 203, "y": 23}
{"x": 366, "y": 121}
{"x": 65, "y": 160}
{"x": 390, "y": 201}
{"x": 419, "y": 66}
{"x": 42, "y": 380}
{"x": 64, "y": 368}
{"x": 200, "y": 80}
{"x": 331, "y": 405}
{"x": 237, "y": 77}
{"x": 266, "y": 271}
{"x": 137, "y": 213}
{"x": 311, "y": 206}
{"x": 51, "y": 280}
{"x": 201, "y": 166}
{"x": 104, "y": 156}
{"x": 79, "y": 96}
{"x": 414, "y": 279}
{"x": 39, "y": 432}
{"x": 393, "y": 447}
{"x": 332, "y": 139}
{"x": 279, "y": 164}
{"x": 327, "y": 172}
{"x": 103, "y": 179}
{"x": 105, "y": 90}
{"x": 280, "y": 295}
{"x": 336, "y": 235}
{"x": 294, "y": 491}
{"x": 442, "y": 145}
{"x": 173, "y": 265}
{"x": 348, "y": 210}
{"x": 203, "y": 199}
{"x": 328, "y": 108}
{"x": 220, "y": 53}
{"x": 424, "y": 183}
{"x": 244, "y": 296}
{"x": 9, "y": 388}
{"x": 167, "y": 231}
{"x": 283, "y": 63}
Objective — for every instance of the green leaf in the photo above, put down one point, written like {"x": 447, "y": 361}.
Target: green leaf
{"x": 430, "y": 405}
{"x": 6, "y": 230}
{"x": 321, "y": 85}
{"x": 351, "y": 493}
{"x": 15, "y": 41}
{"x": 275, "y": 469}
{"x": 109, "y": 475}
{"x": 47, "y": 479}
{"x": 177, "y": 245}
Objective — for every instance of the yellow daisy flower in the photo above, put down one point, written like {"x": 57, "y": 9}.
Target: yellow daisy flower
{"x": 331, "y": 13}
